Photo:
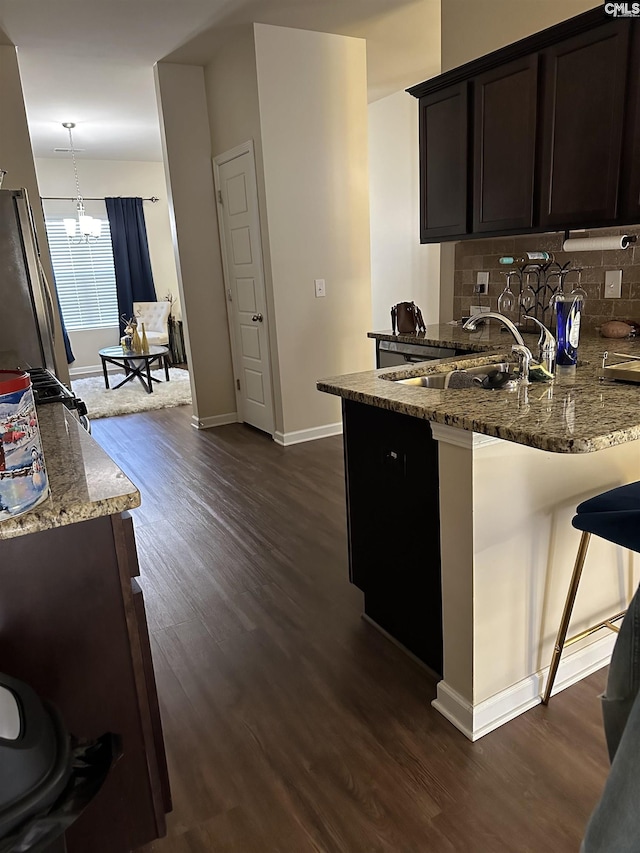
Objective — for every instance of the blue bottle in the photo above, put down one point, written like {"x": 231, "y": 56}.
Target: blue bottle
{"x": 568, "y": 312}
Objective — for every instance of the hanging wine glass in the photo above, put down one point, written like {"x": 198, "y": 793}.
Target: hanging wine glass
{"x": 579, "y": 291}
{"x": 559, "y": 291}
{"x": 506, "y": 300}
{"x": 527, "y": 295}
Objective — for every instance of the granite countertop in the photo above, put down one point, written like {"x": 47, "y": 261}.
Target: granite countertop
{"x": 576, "y": 414}
{"x": 488, "y": 336}
{"x": 85, "y": 483}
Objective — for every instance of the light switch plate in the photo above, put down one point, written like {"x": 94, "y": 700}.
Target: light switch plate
{"x": 482, "y": 283}
{"x": 612, "y": 284}
{"x": 320, "y": 287}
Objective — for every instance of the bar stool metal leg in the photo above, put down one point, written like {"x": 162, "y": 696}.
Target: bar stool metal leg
{"x": 566, "y": 614}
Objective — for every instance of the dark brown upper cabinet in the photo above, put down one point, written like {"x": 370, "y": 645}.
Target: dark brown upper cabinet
{"x": 630, "y": 183}
{"x": 584, "y": 100}
{"x": 443, "y": 163}
{"x": 505, "y": 110}
{"x": 540, "y": 135}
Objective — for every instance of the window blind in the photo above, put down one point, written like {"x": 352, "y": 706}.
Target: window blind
{"x": 85, "y": 278}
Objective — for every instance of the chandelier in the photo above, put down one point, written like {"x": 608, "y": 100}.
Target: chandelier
{"x": 87, "y": 227}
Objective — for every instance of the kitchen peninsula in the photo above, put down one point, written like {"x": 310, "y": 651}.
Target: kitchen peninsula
{"x": 460, "y": 505}
{"x": 72, "y": 625}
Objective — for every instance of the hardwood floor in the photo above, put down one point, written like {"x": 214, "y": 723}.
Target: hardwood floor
{"x": 293, "y": 726}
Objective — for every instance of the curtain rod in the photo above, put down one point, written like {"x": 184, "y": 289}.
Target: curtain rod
{"x": 153, "y": 198}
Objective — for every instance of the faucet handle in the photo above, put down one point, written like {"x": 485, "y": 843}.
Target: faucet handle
{"x": 546, "y": 340}
{"x": 524, "y": 359}
{"x": 547, "y": 345}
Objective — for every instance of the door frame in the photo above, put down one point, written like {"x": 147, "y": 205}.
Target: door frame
{"x": 219, "y": 160}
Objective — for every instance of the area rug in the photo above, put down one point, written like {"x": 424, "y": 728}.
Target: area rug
{"x": 132, "y": 397}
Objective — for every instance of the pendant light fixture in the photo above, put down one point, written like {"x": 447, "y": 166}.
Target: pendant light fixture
{"x": 84, "y": 228}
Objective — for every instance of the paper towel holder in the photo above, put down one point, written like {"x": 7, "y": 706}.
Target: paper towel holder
{"x": 626, "y": 240}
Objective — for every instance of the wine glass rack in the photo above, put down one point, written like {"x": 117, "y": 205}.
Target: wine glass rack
{"x": 548, "y": 279}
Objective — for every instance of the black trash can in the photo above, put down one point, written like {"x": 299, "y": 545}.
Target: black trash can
{"x": 47, "y": 776}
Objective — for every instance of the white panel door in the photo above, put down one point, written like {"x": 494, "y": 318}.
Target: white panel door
{"x": 244, "y": 279}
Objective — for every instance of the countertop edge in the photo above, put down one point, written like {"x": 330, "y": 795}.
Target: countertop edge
{"x": 537, "y": 441}
{"x": 579, "y": 414}
{"x": 84, "y": 481}
{"x": 32, "y": 522}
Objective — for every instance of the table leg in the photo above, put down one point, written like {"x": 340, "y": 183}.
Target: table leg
{"x": 149, "y": 380}
{"x": 166, "y": 367}
{"x": 106, "y": 375}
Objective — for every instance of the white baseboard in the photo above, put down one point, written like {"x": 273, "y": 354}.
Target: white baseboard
{"x": 476, "y": 721}
{"x": 214, "y": 421}
{"x": 300, "y": 435}
{"x": 89, "y": 370}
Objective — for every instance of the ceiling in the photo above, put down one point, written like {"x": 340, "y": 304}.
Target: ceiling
{"x": 91, "y": 61}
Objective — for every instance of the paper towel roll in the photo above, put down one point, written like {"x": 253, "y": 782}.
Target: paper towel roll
{"x": 594, "y": 244}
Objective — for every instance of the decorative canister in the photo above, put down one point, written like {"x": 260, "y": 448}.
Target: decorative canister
{"x": 23, "y": 476}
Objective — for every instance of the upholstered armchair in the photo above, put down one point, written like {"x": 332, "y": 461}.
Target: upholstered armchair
{"x": 155, "y": 316}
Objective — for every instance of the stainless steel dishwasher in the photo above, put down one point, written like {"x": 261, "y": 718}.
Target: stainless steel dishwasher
{"x": 394, "y": 353}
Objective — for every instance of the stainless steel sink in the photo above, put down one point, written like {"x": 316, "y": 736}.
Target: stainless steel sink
{"x": 434, "y": 380}
{"x": 500, "y": 376}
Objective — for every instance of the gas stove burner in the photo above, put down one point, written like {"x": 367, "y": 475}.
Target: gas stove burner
{"x": 47, "y": 388}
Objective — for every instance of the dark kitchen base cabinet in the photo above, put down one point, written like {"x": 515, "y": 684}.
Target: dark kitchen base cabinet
{"x": 73, "y": 626}
{"x": 391, "y": 464}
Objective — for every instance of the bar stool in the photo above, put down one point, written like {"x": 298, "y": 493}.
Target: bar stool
{"x": 615, "y": 516}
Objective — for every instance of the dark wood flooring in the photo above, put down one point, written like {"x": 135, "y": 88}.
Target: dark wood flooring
{"x": 293, "y": 726}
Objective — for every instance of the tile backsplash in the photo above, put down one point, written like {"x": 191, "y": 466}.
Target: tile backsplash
{"x": 472, "y": 256}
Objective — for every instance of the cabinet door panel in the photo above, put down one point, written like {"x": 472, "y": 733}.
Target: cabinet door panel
{"x": 66, "y": 632}
{"x": 630, "y": 180}
{"x": 443, "y": 163}
{"x": 394, "y": 525}
{"x": 156, "y": 746}
{"x": 584, "y": 92}
{"x": 505, "y": 101}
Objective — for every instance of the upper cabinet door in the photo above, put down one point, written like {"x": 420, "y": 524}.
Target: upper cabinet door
{"x": 584, "y": 96}
{"x": 630, "y": 183}
{"x": 443, "y": 163}
{"x": 505, "y": 108}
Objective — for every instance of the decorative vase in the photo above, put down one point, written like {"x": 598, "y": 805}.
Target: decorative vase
{"x": 144, "y": 342}
{"x": 136, "y": 343}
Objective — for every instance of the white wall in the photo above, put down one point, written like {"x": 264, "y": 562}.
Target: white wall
{"x": 508, "y": 550}
{"x": 402, "y": 269}
{"x": 100, "y": 178}
{"x": 186, "y": 141}
{"x": 472, "y": 29}
{"x": 231, "y": 80}
{"x": 313, "y": 116}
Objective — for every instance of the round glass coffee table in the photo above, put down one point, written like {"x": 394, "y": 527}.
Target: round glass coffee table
{"x": 135, "y": 365}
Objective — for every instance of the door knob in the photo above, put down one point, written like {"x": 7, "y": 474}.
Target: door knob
{"x": 257, "y": 318}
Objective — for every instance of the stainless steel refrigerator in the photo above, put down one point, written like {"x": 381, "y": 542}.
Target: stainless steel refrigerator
{"x": 27, "y": 306}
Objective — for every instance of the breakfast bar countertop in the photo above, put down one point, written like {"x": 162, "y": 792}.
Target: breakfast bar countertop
{"x": 489, "y": 335}
{"x": 84, "y": 481}
{"x": 577, "y": 414}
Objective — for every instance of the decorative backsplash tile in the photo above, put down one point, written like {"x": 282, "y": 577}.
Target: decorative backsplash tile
{"x": 472, "y": 256}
